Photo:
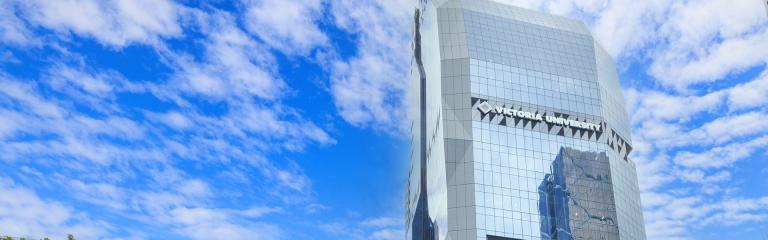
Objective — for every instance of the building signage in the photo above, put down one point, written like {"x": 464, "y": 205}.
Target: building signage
{"x": 486, "y": 108}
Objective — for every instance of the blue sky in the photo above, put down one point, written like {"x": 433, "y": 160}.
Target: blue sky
{"x": 283, "y": 119}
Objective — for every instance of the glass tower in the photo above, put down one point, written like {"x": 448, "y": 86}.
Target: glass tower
{"x": 519, "y": 129}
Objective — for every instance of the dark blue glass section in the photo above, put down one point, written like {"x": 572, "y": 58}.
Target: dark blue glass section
{"x": 423, "y": 226}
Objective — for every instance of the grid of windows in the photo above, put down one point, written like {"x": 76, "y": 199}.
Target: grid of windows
{"x": 509, "y": 165}
{"x": 535, "y": 88}
{"x": 516, "y": 43}
{"x": 613, "y": 112}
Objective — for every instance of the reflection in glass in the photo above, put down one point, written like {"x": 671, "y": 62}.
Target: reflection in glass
{"x": 576, "y": 199}
{"x": 423, "y": 226}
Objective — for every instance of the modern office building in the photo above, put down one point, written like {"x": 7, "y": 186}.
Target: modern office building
{"x": 520, "y": 129}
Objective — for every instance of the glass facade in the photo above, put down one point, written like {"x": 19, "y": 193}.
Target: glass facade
{"x": 520, "y": 129}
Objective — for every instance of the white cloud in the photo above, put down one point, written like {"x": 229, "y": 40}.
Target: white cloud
{"x": 112, "y": 126}
{"x": 732, "y": 55}
{"x": 382, "y": 222}
{"x": 17, "y": 93}
{"x": 362, "y": 93}
{"x": 234, "y": 65}
{"x": 376, "y": 228}
{"x": 699, "y": 176}
{"x": 722, "y": 155}
{"x": 256, "y": 212}
{"x": 63, "y": 77}
{"x": 672, "y": 122}
{"x": 174, "y": 120}
{"x": 387, "y": 234}
{"x": 186, "y": 206}
{"x": 687, "y": 42}
{"x": 10, "y": 123}
{"x": 670, "y": 136}
{"x": 188, "y": 214}
{"x": 105, "y": 151}
{"x": 78, "y": 134}
{"x": 675, "y": 32}
{"x": 342, "y": 230}
{"x": 694, "y": 22}
{"x": 288, "y": 25}
{"x": 368, "y": 88}
{"x": 129, "y": 168}
{"x": 203, "y": 223}
{"x": 751, "y": 94}
{"x": 195, "y": 188}
{"x": 103, "y": 194}
{"x": 675, "y": 135}
{"x": 655, "y": 105}
{"x": 740, "y": 210}
{"x": 652, "y": 199}
{"x": 627, "y": 26}
{"x": 673, "y": 219}
{"x": 23, "y": 212}
{"x": 653, "y": 172}
{"x": 12, "y": 29}
{"x": 704, "y": 41}
{"x": 114, "y": 23}
{"x": 722, "y": 130}
{"x": 664, "y": 121}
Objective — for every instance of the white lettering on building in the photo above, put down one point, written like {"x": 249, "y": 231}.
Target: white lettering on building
{"x": 539, "y": 118}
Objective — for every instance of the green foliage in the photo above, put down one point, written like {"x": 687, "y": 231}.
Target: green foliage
{"x": 70, "y": 237}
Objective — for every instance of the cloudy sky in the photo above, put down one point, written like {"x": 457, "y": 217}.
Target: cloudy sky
{"x": 283, "y": 119}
